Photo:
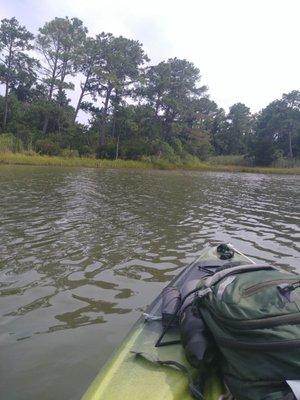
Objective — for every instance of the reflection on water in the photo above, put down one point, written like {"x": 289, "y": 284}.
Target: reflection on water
{"x": 82, "y": 252}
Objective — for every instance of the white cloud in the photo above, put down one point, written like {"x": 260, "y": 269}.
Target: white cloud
{"x": 246, "y": 50}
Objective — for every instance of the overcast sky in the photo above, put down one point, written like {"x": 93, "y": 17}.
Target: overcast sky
{"x": 246, "y": 50}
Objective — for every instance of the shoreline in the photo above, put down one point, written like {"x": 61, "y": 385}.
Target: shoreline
{"x": 8, "y": 158}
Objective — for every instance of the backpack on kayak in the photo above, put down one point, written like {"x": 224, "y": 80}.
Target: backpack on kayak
{"x": 253, "y": 313}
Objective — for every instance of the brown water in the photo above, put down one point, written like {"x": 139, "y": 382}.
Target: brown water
{"x": 83, "y": 251}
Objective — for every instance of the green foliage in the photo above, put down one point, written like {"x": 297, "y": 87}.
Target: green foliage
{"x": 277, "y": 132}
{"x": 107, "y": 150}
{"x": 171, "y": 88}
{"x": 136, "y": 110}
{"x": 60, "y": 42}
{"x": 198, "y": 144}
{"x": 116, "y": 69}
{"x": 264, "y": 151}
{"x": 47, "y": 147}
{"x": 9, "y": 143}
{"x": 134, "y": 150}
{"x": 70, "y": 153}
{"x": 85, "y": 151}
{"x": 17, "y": 69}
{"x": 240, "y": 122}
{"x": 234, "y": 130}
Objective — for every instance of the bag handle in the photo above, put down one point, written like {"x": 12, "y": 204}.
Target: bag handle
{"x": 218, "y": 276}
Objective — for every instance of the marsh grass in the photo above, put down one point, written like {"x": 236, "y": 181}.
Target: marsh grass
{"x": 30, "y": 158}
{"x": 239, "y": 160}
{"x": 36, "y": 159}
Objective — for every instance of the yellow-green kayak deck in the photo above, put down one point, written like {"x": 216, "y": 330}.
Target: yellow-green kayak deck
{"x": 127, "y": 376}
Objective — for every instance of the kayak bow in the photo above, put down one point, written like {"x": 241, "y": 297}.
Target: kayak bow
{"x": 126, "y": 376}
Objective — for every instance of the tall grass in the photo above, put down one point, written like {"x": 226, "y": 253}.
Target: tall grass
{"x": 36, "y": 159}
{"x": 9, "y": 143}
{"x": 231, "y": 160}
{"x": 286, "y": 163}
{"x": 8, "y": 157}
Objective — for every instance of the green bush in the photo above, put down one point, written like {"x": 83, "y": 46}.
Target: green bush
{"x": 203, "y": 150}
{"x": 157, "y": 162}
{"x": 190, "y": 160}
{"x": 70, "y": 153}
{"x": 107, "y": 151}
{"x": 177, "y": 146}
{"x": 164, "y": 151}
{"x": 85, "y": 151}
{"x": 265, "y": 153}
{"x": 47, "y": 147}
{"x": 134, "y": 151}
{"x": 199, "y": 144}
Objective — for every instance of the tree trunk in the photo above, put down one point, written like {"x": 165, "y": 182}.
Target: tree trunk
{"x": 46, "y": 120}
{"x": 290, "y": 144}
{"x": 114, "y": 125}
{"x": 62, "y": 79}
{"x": 45, "y": 124}
{"x": 102, "y": 125}
{"x": 5, "y": 112}
{"x": 169, "y": 118}
{"x": 60, "y": 91}
{"x": 117, "y": 147}
{"x": 5, "y": 106}
{"x": 157, "y": 104}
{"x": 83, "y": 89}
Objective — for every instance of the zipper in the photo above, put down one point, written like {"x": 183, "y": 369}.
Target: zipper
{"x": 249, "y": 291}
{"x": 287, "y": 344}
{"x": 258, "y": 323}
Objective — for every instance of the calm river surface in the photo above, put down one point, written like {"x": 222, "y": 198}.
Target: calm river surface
{"x": 83, "y": 251}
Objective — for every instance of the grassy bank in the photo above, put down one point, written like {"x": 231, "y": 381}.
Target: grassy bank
{"x": 36, "y": 159}
{"x": 155, "y": 163}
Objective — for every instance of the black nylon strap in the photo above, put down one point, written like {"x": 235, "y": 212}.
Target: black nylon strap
{"x": 196, "y": 393}
{"x": 193, "y": 388}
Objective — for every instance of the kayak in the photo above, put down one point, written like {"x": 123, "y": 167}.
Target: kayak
{"x": 128, "y": 376}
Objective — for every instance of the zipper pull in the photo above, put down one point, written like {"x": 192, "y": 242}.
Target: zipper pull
{"x": 286, "y": 288}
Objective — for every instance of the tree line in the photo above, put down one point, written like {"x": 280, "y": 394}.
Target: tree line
{"x": 135, "y": 109}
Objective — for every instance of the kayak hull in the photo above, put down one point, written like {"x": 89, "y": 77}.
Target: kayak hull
{"x": 127, "y": 376}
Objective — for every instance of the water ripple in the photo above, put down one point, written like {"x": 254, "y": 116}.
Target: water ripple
{"x": 82, "y": 252}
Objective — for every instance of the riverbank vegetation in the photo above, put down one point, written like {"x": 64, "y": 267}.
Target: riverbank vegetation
{"x": 142, "y": 114}
{"x": 30, "y": 158}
